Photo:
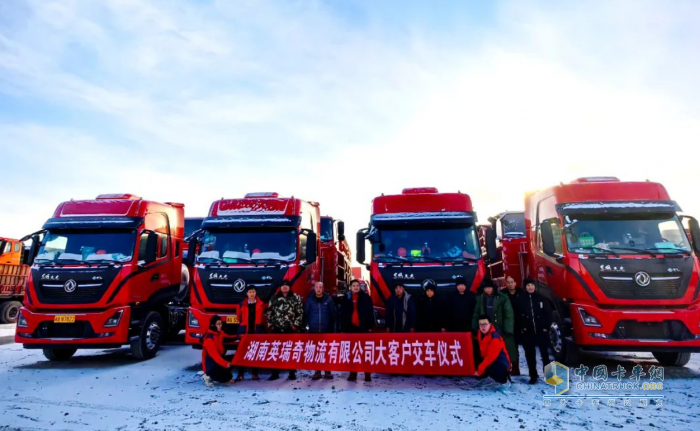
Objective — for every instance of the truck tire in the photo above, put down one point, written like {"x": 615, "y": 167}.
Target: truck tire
{"x": 150, "y": 337}
{"x": 564, "y": 351}
{"x": 59, "y": 354}
{"x": 672, "y": 359}
{"x": 9, "y": 311}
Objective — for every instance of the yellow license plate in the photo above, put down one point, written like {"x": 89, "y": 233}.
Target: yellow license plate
{"x": 232, "y": 319}
{"x": 64, "y": 319}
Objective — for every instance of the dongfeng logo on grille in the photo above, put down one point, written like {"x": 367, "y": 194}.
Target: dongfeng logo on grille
{"x": 239, "y": 285}
{"x": 642, "y": 278}
{"x": 427, "y": 281}
{"x": 69, "y": 286}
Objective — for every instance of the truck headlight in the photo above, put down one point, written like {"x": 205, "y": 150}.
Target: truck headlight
{"x": 193, "y": 322}
{"x": 588, "y": 319}
{"x": 114, "y": 320}
{"x": 21, "y": 321}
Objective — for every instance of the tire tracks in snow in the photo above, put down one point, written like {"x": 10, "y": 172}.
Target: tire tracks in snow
{"x": 271, "y": 419}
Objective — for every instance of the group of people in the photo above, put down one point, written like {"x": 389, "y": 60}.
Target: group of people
{"x": 499, "y": 320}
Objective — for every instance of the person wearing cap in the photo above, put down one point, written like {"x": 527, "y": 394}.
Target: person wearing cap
{"x": 252, "y": 310}
{"x": 320, "y": 316}
{"x": 357, "y": 316}
{"x": 496, "y": 362}
{"x": 515, "y": 295}
{"x": 460, "y": 307}
{"x": 431, "y": 313}
{"x": 284, "y": 316}
{"x": 497, "y": 307}
{"x": 535, "y": 320}
{"x": 216, "y": 368}
{"x": 400, "y": 312}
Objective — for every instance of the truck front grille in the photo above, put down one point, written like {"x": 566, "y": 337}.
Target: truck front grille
{"x": 661, "y": 286}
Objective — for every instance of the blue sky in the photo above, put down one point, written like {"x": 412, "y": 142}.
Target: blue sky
{"x": 339, "y": 101}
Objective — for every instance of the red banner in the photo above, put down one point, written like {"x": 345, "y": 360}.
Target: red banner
{"x": 410, "y": 353}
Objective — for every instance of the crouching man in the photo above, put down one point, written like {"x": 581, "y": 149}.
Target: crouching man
{"x": 496, "y": 362}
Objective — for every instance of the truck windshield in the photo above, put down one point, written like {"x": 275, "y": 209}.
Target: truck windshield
{"x": 239, "y": 246}
{"x": 595, "y": 234}
{"x": 427, "y": 244}
{"x": 326, "y": 230}
{"x": 513, "y": 224}
{"x": 70, "y": 246}
{"x": 191, "y": 225}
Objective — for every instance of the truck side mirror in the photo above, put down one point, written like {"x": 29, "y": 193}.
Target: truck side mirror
{"x": 547, "y": 238}
{"x": 695, "y": 234}
{"x": 341, "y": 230}
{"x": 151, "y": 248}
{"x": 33, "y": 250}
{"x": 311, "y": 246}
{"x": 191, "y": 252}
{"x": 491, "y": 248}
{"x": 360, "y": 246}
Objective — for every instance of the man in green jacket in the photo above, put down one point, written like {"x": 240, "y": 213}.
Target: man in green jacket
{"x": 498, "y": 308}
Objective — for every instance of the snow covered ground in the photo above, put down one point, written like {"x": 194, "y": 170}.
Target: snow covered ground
{"x": 110, "y": 390}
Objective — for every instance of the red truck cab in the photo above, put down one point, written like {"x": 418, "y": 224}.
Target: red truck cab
{"x": 13, "y": 278}
{"x": 336, "y": 256}
{"x": 618, "y": 267}
{"x": 258, "y": 240}
{"x": 104, "y": 274}
{"x": 512, "y": 247}
{"x": 418, "y": 236}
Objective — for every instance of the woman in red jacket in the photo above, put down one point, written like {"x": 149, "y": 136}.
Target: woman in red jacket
{"x": 216, "y": 367}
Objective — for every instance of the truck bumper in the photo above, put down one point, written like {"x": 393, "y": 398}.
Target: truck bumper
{"x": 193, "y": 334}
{"x": 88, "y": 329}
{"x": 636, "y": 330}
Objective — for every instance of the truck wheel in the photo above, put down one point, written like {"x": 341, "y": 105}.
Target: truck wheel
{"x": 672, "y": 359}
{"x": 564, "y": 351}
{"x": 9, "y": 311}
{"x": 59, "y": 354}
{"x": 150, "y": 336}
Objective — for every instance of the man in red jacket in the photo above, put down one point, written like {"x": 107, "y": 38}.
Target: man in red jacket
{"x": 216, "y": 368}
{"x": 496, "y": 363}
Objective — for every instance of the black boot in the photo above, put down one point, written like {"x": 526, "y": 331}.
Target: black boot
{"x": 352, "y": 377}
{"x": 274, "y": 376}
{"x": 533, "y": 380}
{"x": 292, "y": 375}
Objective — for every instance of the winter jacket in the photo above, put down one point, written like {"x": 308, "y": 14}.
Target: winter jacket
{"x": 213, "y": 351}
{"x": 320, "y": 314}
{"x": 515, "y": 304}
{"x": 365, "y": 311}
{"x": 492, "y": 349}
{"x": 259, "y": 312}
{"x": 431, "y": 314}
{"x": 502, "y": 312}
{"x": 400, "y": 313}
{"x": 459, "y": 310}
{"x": 535, "y": 313}
{"x": 285, "y": 313}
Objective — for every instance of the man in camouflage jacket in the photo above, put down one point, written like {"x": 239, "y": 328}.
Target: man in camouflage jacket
{"x": 284, "y": 315}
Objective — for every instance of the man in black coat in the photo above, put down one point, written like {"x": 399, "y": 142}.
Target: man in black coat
{"x": 400, "y": 312}
{"x": 535, "y": 320}
{"x": 357, "y": 315}
{"x": 460, "y": 308}
{"x": 431, "y": 311}
{"x": 515, "y": 294}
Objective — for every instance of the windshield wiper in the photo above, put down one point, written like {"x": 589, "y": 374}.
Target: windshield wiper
{"x": 461, "y": 259}
{"x": 430, "y": 258}
{"x": 273, "y": 259}
{"x": 399, "y": 258}
{"x": 606, "y": 250}
{"x": 78, "y": 261}
{"x": 670, "y": 251}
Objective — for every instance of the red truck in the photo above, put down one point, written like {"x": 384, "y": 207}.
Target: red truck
{"x": 512, "y": 247}
{"x": 419, "y": 236}
{"x": 336, "y": 257}
{"x": 258, "y": 240}
{"x": 13, "y": 278}
{"x": 105, "y": 273}
{"x": 618, "y": 267}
